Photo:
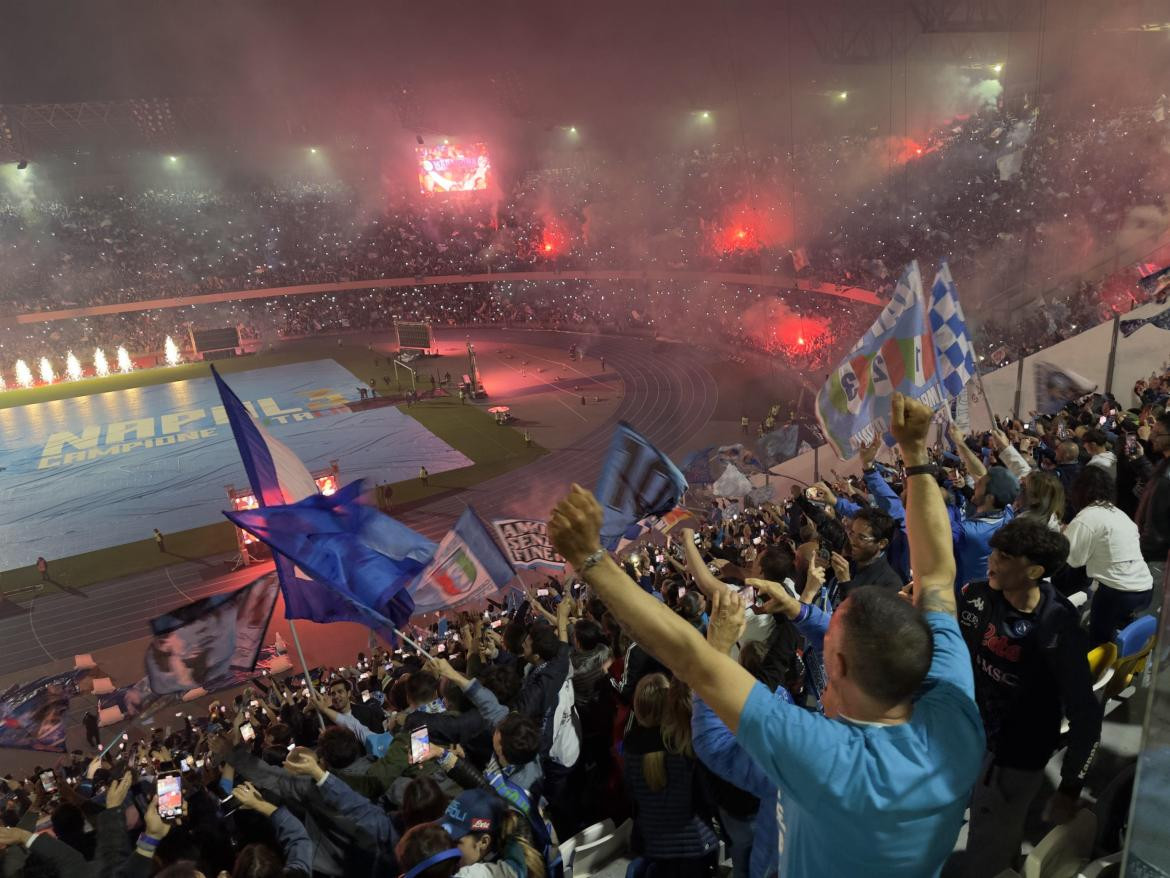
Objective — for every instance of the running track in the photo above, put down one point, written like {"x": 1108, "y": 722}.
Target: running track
{"x": 669, "y": 396}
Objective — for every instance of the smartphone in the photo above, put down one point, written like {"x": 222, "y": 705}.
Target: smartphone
{"x": 364, "y": 676}
{"x": 254, "y": 704}
{"x": 442, "y": 647}
{"x": 169, "y": 789}
{"x": 749, "y": 595}
{"x": 757, "y": 540}
{"x": 292, "y": 745}
{"x": 1131, "y": 445}
{"x": 542, "y": 592}
{"x": 198, "y": 763}
{"x": 49, "y": 781}
{"x": 247, "y": 733}
{"x": 185, "y": 765}
{"x": 420, "y": 743}
{"x": 365, "y": 695}
{"x": 681, "y": 593}
{"x": 305, "y": 692}
{"x": 497, "y": 623}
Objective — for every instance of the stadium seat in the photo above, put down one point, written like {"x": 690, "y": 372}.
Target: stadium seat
{"x": 591, "y": 857}
{"x": 1134, "y": 643}
{"x": 588, "y": 835}
{"x": 1106, "y": 867}
{"x": 1063, "y": 852}
{"x": 1101, "y": 660}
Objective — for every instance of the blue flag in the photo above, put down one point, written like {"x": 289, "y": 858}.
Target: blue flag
{"x": 952, "y": 342}
{"x": 637, "y": 480}
{"x": 467, "y": 567}
{"x": 361, "y": 560}
{"x": 1160, "y": 320}
{"x": 277, "y": 477}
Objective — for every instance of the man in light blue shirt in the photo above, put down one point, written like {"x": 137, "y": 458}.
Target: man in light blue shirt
{"x": 878, "y": 785}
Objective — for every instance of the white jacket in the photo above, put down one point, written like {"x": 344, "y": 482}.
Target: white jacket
{"x": 1107, "y": 460}
{"x": 1104, "y": 540}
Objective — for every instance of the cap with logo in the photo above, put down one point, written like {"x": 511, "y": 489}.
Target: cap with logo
{"x": 473, "y": 811}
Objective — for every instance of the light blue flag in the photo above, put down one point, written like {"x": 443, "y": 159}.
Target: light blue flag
{"x": 468, "y": 567}
{"x": 637, "y": 480}
{"x": 896, "y": 355}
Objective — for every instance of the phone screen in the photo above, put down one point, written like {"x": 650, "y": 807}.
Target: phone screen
{"x": 542, "y": 592}
{"x": 169, "y": 789}
{"x": 682, "y": 592}
{"x": 365, "y": 695}
{"x": 48, "y": 781}
{"x": 749, "y": 594}
{"x": 247, "y": 733}
{"x": 497, "y": 623}
{"x": 757, "y": 540}
{"x": 420, "y": 743}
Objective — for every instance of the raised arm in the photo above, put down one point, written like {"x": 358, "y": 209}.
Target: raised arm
{"x": 575, "y": 528}
{"x": 971, "y": 461}
{"x": 706, "y": 581}
{"x": 932, "y": 556}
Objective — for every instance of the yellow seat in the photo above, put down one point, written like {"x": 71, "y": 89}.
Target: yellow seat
{"x": 1101, "y": 662}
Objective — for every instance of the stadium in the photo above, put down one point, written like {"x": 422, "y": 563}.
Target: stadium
{"x": 518, "y": 444}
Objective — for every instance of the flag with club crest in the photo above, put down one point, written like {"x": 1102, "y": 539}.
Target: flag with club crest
{"x": 896, "y": 355}
{"x": 953, "y": 349}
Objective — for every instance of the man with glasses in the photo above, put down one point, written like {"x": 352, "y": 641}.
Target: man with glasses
{"x": 870, "y": 532}
{"x": 1153, "y": 512}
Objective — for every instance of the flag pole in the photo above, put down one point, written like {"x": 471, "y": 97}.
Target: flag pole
{"x": 292, "y": 626}
{"x": 415, "y": 645}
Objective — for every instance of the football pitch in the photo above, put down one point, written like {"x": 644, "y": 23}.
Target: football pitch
{"x": 91, "y": 467}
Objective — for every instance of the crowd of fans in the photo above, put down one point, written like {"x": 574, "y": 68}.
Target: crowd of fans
{"x": 772, "y": 672}
{"x": 988, "y": 192}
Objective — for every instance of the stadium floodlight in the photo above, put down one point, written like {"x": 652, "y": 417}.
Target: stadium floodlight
{"x": 998, "y": 68}
{"x": 172, "y": 158}
{"x": 704, "y": 114}
{"x": 572, "y": 129}
{"x": 843, "y": 95}
{"x": 313, "y": 150}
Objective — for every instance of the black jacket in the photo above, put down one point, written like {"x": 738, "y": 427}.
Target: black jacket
{"x": 1155, "y": 524}
{"x": 1031, "y": 671}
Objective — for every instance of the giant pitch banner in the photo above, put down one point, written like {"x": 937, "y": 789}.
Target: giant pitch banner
{"x": 527, "y": 544}
{"x": 103, "y": 470}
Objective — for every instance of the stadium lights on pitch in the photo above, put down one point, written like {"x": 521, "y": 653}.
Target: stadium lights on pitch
{"x": 172, "y": 158}
{"x": 997, "y": 68}
{"x": 843, "y": 95}
{"x": 313, "y": 150}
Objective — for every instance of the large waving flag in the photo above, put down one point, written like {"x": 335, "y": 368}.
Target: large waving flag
{"x": 637, "y": 480}
{"x": 361, "y": 560}
{"x": 279, "y": 479}
{"x": 953, "y": 349}
{"x": 896, "y": 354}
{"x": 468, "y": 567}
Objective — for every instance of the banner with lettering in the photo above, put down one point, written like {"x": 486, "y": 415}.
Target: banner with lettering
{"x": 526, "y": 542}
{"x": 637, "y": 480}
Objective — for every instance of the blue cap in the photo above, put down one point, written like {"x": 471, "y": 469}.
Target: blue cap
{"x": 471, "y": 812}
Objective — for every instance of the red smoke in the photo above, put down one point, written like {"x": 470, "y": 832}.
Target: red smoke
{"x": 742, "y": 228}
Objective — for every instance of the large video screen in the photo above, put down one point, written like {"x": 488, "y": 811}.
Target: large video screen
{"x": 453, "y": 167}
